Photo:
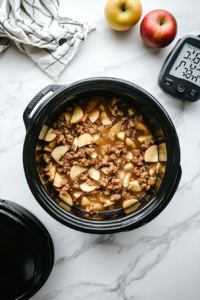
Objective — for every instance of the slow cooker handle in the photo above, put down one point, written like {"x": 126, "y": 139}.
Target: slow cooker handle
{"x": 50, "y": 88}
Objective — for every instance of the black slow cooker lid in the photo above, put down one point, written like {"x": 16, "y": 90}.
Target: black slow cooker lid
{"x": 26, "y": 252}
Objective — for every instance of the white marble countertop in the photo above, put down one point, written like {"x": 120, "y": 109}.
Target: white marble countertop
{"x": 157, "y": 261}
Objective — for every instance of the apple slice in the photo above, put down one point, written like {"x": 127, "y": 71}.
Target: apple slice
{"x": 107, "y": 203}
{"x": 151, "y": 154}
{"x": 152, "y": 170}
{"x": 162, "y": 152}
{"x": 52, "y": 144}
{"x": 76, "y": 170}
{"x": 121, "y": 175}
{"x": 91, "y": 105}
{"x": 140, "y": 126}
{"x": 96, "y": 137}
{"x": 119, "y": 160}
{"x": 103, "y": 115}
{"x": 66, "y": 198}
{"x": 126, "y": 180}
{"x": 68, "y": 116}
{"x": 143, "y": 138}
{"x": 85, "y": 139}
{"x": 50, "y": 136}
{"x": 131, "y": 208}
{"x": 115, "y": 129}
{"x": 128, "y": 167}
{"x": 106, "y": 122}
{"x": 158, "y": 165}
{"x": 130, "y": 143}
{"x": 129, "y": 155}
{"x": 104, "y": 119}
{"x": 94, "y": 174}
{"x": 58, "y": 152}
{"x": 65, "y": 206}
{"x": 151, "y": 181}
{"x": 93, "y": 154}
{"x": 102, "y": 107}
{"x": 57, "y": 200}
{"x": 121, "y": 135}
{"x": 46, "y": 148}
{"x": 100, "y": 142}
{"x": 162, "y": 170}
{"x": 97, "y": 207}
{"x": 85, "y": 117}
{"x": 52, "y": 171}
{"x": 94, "y": 115}
{"x": 131, "y": 111}
{"x": 134, "y": 186}
{"x": 38, "y": 147}
{"x": 77, "y": 194}
{"x": 105, "y": 170}
{"x": 85, "y": 201}
{"x": 43, "y": 132}
{"x": 87, "y": 188}
{"x": 77, "y": 115}
{"x": 114, "y": 101}
{"x": 128, "y": 202}
{"x": 75, "y": 142}
{"x": 58, "y": 180}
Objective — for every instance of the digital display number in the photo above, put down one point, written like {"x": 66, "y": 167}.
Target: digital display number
{"x": 187, "y": 64}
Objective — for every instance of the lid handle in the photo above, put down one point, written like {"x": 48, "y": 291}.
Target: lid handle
{"x": 37, "y": 100}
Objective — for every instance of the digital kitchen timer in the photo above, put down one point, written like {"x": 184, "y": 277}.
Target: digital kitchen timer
{"x": 180, "y": 73}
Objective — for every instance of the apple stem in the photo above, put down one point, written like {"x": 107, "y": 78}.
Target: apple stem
{"x": 123, "y": 8}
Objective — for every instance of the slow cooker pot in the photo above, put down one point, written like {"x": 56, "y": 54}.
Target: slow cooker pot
{"x": 55, "y": 98}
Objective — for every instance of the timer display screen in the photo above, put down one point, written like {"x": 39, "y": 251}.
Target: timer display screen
{"x": 187, "y": 64}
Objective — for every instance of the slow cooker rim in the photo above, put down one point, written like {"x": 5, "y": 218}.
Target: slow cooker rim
{"x": 85, "y": 82}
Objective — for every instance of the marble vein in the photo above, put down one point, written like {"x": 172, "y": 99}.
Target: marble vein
{"x": 135, "y": 270}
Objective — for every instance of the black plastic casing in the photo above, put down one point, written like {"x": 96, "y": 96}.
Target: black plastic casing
{"x": 154, "y": 113}
{"x": 26, "y": 251}
{"x": 171, "y": 90}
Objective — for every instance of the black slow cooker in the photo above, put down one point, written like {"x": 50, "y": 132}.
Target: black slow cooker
{"x": 36, "y": 115}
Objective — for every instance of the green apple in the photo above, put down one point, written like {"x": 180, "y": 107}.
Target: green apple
{"x": 122, "y": 15}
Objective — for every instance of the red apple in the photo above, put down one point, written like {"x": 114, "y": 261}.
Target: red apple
{"x": 158, "y": 28}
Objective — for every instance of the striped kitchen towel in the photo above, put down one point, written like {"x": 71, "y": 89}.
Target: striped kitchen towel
{"x": 36, "y": 28}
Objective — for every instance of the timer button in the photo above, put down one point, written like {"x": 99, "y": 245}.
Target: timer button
{"x": 168, "y": 81}
{"x": 193, "y": 92}
{"x": 180, "y": 88}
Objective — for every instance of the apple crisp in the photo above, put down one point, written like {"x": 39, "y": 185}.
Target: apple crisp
{"x": 99, "y": 155}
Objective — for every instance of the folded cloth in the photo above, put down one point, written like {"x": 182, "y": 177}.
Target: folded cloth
{"x": 36, "y": 28}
